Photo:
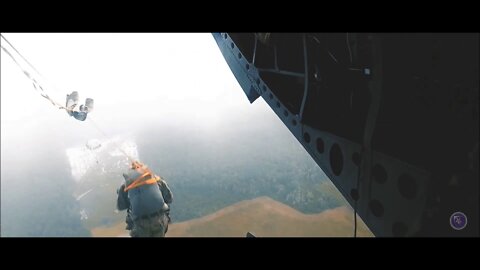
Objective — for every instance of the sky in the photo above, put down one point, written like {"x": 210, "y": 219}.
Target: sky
{"x": 133, "y": 78}
{"x": 137, "y": 81}
{"x": 179, "y": 84}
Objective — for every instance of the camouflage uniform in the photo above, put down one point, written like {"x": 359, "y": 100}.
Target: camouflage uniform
{"x": 155, "y": 226}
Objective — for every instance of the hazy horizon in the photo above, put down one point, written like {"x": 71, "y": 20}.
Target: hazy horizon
{"x": 174, "y": 98}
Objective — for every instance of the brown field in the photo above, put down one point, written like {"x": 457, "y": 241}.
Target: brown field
{"x": 264, "y": 217}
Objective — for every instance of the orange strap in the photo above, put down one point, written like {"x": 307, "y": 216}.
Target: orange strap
{"x": 143, "y": 179}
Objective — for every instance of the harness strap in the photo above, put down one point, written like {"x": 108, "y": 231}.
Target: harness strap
{"x": 147, "y": 178}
